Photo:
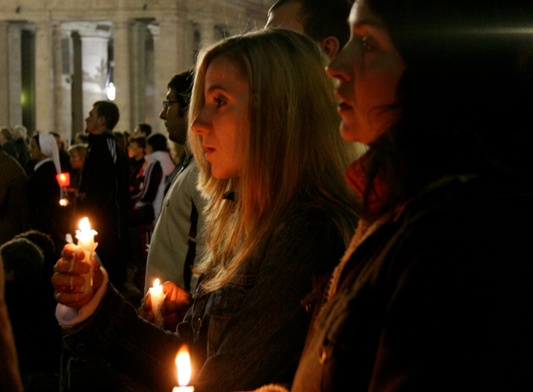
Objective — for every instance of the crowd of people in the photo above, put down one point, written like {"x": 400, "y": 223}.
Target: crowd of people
{"x": 350, "y": 209}
{"x": 105, "y": 185}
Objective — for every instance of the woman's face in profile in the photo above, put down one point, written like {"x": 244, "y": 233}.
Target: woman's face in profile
{"x": 367, "y": 70}
{"x": 222, "y": 121}
{"x": 35, "y": 151}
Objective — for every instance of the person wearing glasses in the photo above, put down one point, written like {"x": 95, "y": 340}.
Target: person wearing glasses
{"x": 178, "y": 233}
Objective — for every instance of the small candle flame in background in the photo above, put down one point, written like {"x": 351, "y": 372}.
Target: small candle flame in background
{"x": 63, "y": 179}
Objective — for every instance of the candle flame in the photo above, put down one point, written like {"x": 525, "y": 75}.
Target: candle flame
{"x": 63, "y": 179}
{"x": 84, "y": 224}
{"x": 183, "y": 362}
{"x": 157, "y": 283}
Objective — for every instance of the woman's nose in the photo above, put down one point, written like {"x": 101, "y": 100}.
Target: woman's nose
{"x": 200, "y": 125}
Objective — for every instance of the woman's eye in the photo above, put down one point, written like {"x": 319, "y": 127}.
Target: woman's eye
{"x": 219, "y": 101}
{"x": 366, "y": 44}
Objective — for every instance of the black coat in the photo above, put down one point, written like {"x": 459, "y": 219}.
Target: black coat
{"x": 46, "y": 214}
{"x": 103, "y": 197}
{"x": 437, "y": 299}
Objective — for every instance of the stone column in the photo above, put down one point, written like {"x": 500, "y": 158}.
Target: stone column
{"x": 64, "y": 128}
{"x": 207, "y": 29}
{"x": 4, "y": 76}
{"x": 122, "y": 74}
{"x": 152, "y": 98}
{"x": 44, "y": 92}
{"x": 14, "y": 73}
{"x": 94, "y": 41}
{"x": 138, "y": 33}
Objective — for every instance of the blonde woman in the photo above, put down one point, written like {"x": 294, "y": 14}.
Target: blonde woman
{"x": 264, "y": 131}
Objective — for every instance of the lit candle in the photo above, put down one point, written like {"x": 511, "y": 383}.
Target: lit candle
{"x": 63, "y": 179}
{"x": 157, "y": 297}
{"x": 183, "y": 363}
{"x": 85, "y": 236}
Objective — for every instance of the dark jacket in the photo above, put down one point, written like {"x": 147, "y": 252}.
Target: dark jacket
{"x": 46, "y": 214}
{"x": 103, "y": 197}
{"x": 244, "y": 335}
{"x": 437, "y": 299}
{"x": 14, "y": 212}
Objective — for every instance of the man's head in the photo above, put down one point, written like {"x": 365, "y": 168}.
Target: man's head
{"x": 323, "y": 21}
{"x": 22, "y": 260}
{"x": 103, "y": 116}
{"x": 20, "y": 131}
{"x": 143, "y": 129}
{"x": 59, "y": 142}
{"x": 5, "y": 134}
{"x": 176, "y": 106}
{"x": 136, "y": 147}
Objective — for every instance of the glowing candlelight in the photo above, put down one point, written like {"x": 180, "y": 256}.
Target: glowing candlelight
{"x": 157, "y": 297}
{"x": 183, "y": 363}
{"x": 63, "y": 179}
{"x": 85, "y": 236}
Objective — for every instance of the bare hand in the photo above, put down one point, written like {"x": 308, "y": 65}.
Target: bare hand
{"x": 68, "y": 281}
{"x": 177, "y": 302}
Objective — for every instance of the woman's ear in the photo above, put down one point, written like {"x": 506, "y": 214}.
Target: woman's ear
{"x": 331, "y": 46}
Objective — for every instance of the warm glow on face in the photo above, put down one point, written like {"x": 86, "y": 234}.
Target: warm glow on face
{"x": 183, "y": 362}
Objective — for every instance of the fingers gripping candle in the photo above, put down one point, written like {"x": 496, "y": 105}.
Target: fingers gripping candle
{"x": 157, "y": 297}
{"x": 85, "y": 236}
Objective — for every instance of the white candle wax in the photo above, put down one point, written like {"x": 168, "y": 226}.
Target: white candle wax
{"x": 85, "y": 236}
{"x": 157, "y": 297}
{"x": 183, "y": 389}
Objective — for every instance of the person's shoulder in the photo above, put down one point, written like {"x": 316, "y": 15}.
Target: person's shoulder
{"x": 9, "y": 162}
{"x": 305, "y": 219}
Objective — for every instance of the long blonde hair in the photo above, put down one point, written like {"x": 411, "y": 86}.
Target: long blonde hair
{"x": 293, "y": 152}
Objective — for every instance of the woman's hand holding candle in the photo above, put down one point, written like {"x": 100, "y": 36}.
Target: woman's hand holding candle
{"x": 176, "y": 303}
{"x": 69, "y": 279}
{"x": 157, "y": 297}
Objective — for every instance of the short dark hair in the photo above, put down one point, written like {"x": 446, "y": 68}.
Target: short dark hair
{"x": 323, "y": 18}
{"x": 139, "y": 139}
{"x": 145, "y": 128}
{"x": 22, "y": 259}
{"x": 6, "y": 131}
{"x": 158, "y": 142}
{"x": 110, "y": 111}
{"x": 182, "y": 84}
